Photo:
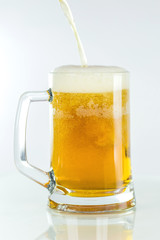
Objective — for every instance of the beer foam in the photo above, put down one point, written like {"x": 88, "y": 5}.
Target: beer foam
{"x": 91, "y": 79}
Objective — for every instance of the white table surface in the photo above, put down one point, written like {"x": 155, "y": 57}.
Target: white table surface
{"x": 23, "y": 214}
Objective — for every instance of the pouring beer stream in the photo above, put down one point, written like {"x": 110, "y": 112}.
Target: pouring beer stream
{"x": 67, "y": 12}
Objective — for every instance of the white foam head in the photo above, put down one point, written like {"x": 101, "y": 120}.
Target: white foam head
{"x": 91, "y": 79}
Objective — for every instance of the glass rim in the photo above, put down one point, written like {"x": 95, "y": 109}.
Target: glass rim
{"x": 90, "y": 69}
{"x": 124, "y": 72}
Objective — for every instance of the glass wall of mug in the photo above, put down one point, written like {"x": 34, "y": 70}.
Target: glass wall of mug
{"x": 90, "y": 139}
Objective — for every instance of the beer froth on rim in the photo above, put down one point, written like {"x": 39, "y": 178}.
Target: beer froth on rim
{"x": 91, "y": 79}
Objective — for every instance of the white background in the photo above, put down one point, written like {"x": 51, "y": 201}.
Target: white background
{"x": 35, "y": 38}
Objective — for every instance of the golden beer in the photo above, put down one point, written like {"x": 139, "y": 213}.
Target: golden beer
{"x": 91, "y": 148}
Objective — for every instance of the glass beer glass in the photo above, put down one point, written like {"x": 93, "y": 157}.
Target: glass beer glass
{"x": 90, "y": 139}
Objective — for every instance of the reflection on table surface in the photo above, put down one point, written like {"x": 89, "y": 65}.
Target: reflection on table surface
{"x": 65, "y": 226}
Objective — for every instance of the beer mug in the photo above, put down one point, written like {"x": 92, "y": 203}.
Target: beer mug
{"x": 90, "y": 139}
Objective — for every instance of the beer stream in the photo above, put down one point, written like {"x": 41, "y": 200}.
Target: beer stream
{"x": 67, "y": 12}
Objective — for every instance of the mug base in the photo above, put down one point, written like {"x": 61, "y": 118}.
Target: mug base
{"x": 116, "y": 202}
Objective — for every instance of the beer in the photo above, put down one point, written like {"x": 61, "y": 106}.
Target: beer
{"x": 90, "y": 146}
{"x": 68, "y": 13}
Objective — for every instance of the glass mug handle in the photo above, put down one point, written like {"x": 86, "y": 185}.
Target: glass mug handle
{"x": 46, "y": 179}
